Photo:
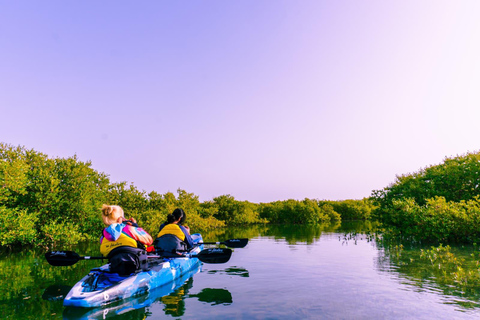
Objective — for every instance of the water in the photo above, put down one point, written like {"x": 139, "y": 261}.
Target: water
{"x": 323, "y": 272}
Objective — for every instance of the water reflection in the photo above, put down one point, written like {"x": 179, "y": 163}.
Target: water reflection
{"x": 172, "y": 296}
{"x": 413, "y": 268}
{"x": 455, "y": 276}
{"x": 232, "y": 271}
{"x": 308, "y": 234}
{"x": 56, "y": 292}
{"x": 214, "y": 296}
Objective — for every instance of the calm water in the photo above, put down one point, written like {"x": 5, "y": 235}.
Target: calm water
{"x": 323, "y": 272}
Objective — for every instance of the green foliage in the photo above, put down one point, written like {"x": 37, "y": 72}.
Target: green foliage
{"x": 159, "y": 206}
{"x": 235, "y": 212}
{"x": 61, "y": 233}
{"x": 298, "y": 212}
{"x": 352, "y": 209}
{"x": 13, "y": 173}
{"x": 439, "y": 203}
{"x": 330, "y": 212}
{"x": 128, "y": 197}
{"x": 18, "y": 227}
{"x": 436, "y": 221}
{"x": 457, "y": 179}
{"x": 60, "y": 190}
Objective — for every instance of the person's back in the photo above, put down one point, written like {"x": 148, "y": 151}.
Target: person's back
{"x": 173, "y": 238}
{"x": 122, "y": 241}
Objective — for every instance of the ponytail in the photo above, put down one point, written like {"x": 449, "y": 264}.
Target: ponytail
{"x": 170, "y": 218}
{"x": 175, "y": 215}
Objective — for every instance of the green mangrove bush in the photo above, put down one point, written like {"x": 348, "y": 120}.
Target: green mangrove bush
{"x": 437, "y": 204}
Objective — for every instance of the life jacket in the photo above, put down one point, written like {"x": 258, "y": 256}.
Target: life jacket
{"x": 125, "y": 254}
{"x": 174, "y": 229}
{"x": 106, "y": 246}
{"x": 170, "y": 240}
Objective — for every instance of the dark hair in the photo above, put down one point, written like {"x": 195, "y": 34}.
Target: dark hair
{"x": 175, "y": 215}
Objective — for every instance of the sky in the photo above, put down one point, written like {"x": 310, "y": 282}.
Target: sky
{"x": 263, "y": 100}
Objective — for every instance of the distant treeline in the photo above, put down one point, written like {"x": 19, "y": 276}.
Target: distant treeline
{"x": 56, "y": 201}
{"x": 439, "y": 203}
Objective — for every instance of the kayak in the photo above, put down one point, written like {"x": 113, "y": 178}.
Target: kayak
{"x": 101, "y": 287}
{"x": 136, "y": 305}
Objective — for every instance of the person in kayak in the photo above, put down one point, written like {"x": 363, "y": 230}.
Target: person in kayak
{"x": 173, "y": 238}
{"x": 123, "y": 241}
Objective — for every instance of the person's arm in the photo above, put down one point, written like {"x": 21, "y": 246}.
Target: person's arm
{"x": 131, "y": 222}
{"x": 139, "y": 234}
{"x": 188, "y": 238}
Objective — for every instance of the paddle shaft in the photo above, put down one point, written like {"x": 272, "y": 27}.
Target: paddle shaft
{"x": 233, "y": 243}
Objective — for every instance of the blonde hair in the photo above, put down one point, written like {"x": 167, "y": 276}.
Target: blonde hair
{"x": 110, "y": 214}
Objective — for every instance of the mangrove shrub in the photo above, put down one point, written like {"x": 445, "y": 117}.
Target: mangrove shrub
{"x": 439, "y": 203}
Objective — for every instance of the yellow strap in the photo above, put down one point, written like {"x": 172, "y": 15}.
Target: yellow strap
{"x": 174, "y": 229}
{"x": 124, "y": 240}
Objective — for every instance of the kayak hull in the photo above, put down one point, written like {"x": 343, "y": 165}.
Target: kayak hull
{"x": 100, "y": 287}
{"x": 128, "y": 306}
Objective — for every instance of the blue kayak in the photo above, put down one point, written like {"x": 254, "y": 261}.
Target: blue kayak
{"x": 101, "y": 287}
{"x": 130, "y": 305}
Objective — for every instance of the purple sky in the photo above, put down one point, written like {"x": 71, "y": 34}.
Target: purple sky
{"x": 262, "y": 100}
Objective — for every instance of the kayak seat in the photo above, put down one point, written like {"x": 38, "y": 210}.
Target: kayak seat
{"x": 126, "y": 260}
{"x": 169, "y": 245}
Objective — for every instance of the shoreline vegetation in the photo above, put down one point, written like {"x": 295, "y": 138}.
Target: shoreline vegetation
{"x": 439, "y": 204}
{"x": 50, "y": 202}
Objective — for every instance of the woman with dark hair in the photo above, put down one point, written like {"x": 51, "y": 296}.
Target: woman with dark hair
{"x": 173, "y": 238}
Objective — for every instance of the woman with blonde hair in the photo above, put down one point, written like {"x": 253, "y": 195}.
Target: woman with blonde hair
{"x": 122, "y": 240}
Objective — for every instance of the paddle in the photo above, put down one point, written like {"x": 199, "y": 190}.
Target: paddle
{"x": 214, "y": 255}
{"x": 68, "y": 258}
{"x": 232, "y": 243}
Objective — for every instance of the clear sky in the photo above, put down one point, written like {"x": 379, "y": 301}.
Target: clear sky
{"x": 261, "y": 99}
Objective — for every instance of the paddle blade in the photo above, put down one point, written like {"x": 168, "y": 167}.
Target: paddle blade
{"x": 236, "y": 243}
{"x": 214, "y": 255}
{"x": 62, "y": 258}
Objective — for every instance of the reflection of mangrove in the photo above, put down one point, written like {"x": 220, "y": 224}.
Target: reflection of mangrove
{"x": 359, "y": 226}
{"x": 56, "y": 292}
{"x": 354, "y": 231}
{"x": 221, "y": 234}
{"x": 175, "y": 301}
{"x": 214, "y": 296}
{"x": 308, "y": 234}
{"x": 232, "y": 271}
{"x": 455, "y": 272}
{"x": 32, "y": 274}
